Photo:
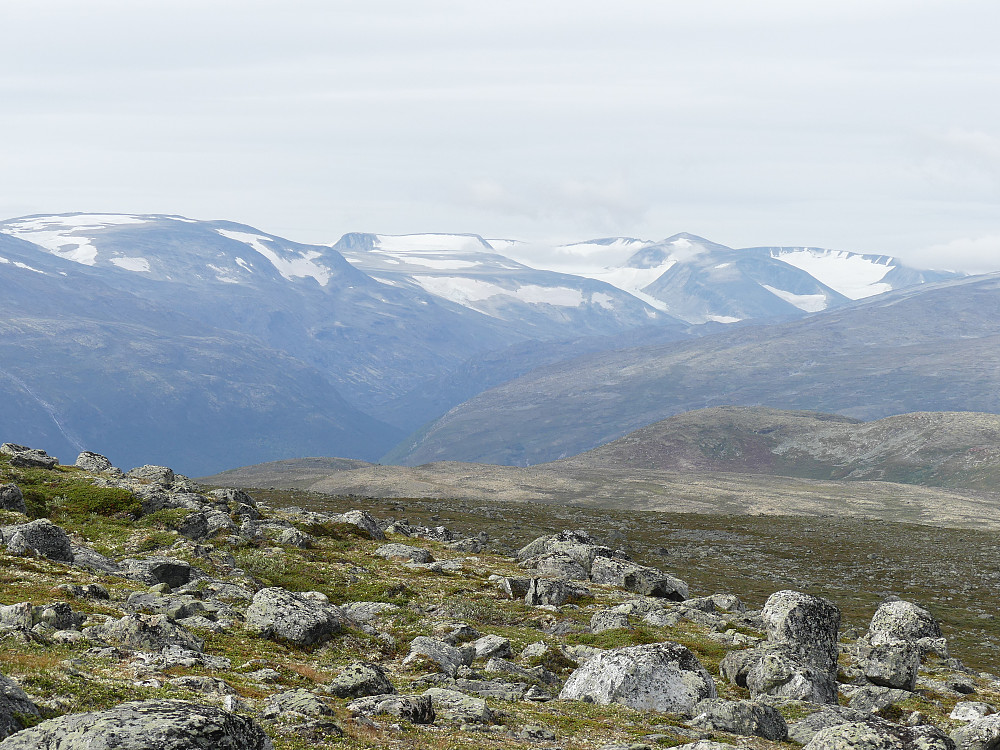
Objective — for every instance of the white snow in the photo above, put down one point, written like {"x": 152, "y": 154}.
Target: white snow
{"x": 466, "y": 291}
{"x": 18, "y": 264}
{"x": 587, "y": 249}
{"x": 853, "y": 275}
{"x": 806, "y": 302}
{"x": 501, "y": 245}
{"x": 602, "y": 300}
{"x": 244, "y": 265}
{"x": 722, "y": 319}
{"x": 223, "y": 275}
{"x": 65, "y": 235}
{"x": 140, "y": 265}
{"x": 442, "y": 264}
{"x": 633, "y": 280}
{"x": 422, "y": 243}
{"x": 303, "y": 265}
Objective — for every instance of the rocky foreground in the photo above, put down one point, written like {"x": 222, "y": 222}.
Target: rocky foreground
{"x": 141, "y": 611}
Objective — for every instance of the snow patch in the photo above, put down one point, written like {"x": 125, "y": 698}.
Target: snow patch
{"x": 602, "y": 300}
{"x": 805, "y": 302}
{"x": 222, "y": 274}
{"x": 301, "y": 265}
{"x": 467, "y": 292}
{"x": 722, "y": 319}
{"x": 244, "y": 265}
{"x": 63, "y": 235}
{"x": 18, "y": 264}
{"x": 140, "y": 265}
{"x": 852, "y": 274}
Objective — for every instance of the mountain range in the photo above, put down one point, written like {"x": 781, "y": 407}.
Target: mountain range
{"x": 134, "y": 334}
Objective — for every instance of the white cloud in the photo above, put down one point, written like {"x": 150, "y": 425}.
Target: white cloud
{"x": 969, "y": 254}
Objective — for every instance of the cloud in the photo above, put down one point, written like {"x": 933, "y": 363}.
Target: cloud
{"x": 969, "y": 254}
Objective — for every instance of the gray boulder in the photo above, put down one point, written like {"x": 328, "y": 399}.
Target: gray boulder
{"x": 872, "y": 698}
{"x": 23, "y": 457}
{"x": 782, "y": 673}
{"x": 14, "y": 706}
{"x": 637, "y": 578}
{"x": 740, "y": 717}
{"x": 417, "y": 709}
{"x": 358, "y": 679}
{"x": 804, "y": 624}
{"x": 892, "y": 664}
{"x": 145, "y": 725}
{"x": 364, "y": 521}
{"x": 559, "y": 565}
{"x": 453, "y": 705}
{"x": 979, "y": 734}
{"x": 608, "y": 620}
{"x": 294, "y": 538}
{"x": 404, "y": 552}
{"x": 803, "y": 730}
{"x": 902, "y": 621}
{"x": 490, "y": 646}
{"x": 298, "y": 619}
{"x": 11, "y": 498}
{"x": 554, "y": 591}
{"x": 153, "y": 570}
{"x": 41, "y": 537}
{"x": 145, "y": 633}
{"x": 297, "y": 701}
{"x": 656, "y": 677}
{"x": 153, "y": 474}
{"x": 971, "y": 710}
{"x": 194, "y": 526}
{"x": 93, "y": 462}
{"x": 879, "y": 735}
{"x": 447, "y": 658}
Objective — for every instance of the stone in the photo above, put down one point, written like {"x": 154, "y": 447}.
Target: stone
{"x": 608, "y": 620}
{"x": 638, "y": 579}
{"x": 358, "y": 679}
{"x": 14, "y": 706}
{"x": 93, "y": 462}
{"x": 58, "y": 615}
{"x": 978, "y": 734}
{"x": 515, "y": 588}
{"x": 294, "y": 538}
{"x": 152, "y": 474}
{"x": 656, "y": 677}
{"x": 559, "y": 565}
{"x": 11, "y": 498}
{"x": 298, "y": 701}
{"x": 395, "y": 551}
{"x": 807, "y": 625}
{"x": 203, "y": 684}
{"x": 879, "y": 735}
{"x": 971, "y": 710}
{"x": 40, "y": 537}
{"x": 145, "y": 725}
{"x": 803, "y": 730}
{"x": 417, "y": 709}
{"x": 555, "y": 591}
{"x": 872, "y": 698}
{"x": 295, "y": 618}
{"x": 452, "y": 705}
{"x": 363, "y": 612}
{"x": 85, "y": 557}
{"x": 497, "y": 665}
{"x": 152, "y": 570}
{"x": 892, "y": 664}
{"x": 18, "y": 616}
{"x": 145, "y": 633}
{"x": 24, "y": 457}
{"x": 444, "y": 655}
{"x": 781, "y": 673}
{"x": 740, "y": 717}
{"x": 194, "y": 526}
{"x": 902, "y": 621}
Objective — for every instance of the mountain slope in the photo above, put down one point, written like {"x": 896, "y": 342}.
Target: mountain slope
{"x": 935, "y": 348}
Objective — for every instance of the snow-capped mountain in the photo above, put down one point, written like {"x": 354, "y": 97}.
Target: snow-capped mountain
{"x": 700, "y": 281}
{"x": 466, "y": 269}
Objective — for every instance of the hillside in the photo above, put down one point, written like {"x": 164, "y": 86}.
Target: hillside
{"x": 933, "y": 348}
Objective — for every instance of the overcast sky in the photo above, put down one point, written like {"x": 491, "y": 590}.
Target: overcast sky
{"x": 863, "y": 125}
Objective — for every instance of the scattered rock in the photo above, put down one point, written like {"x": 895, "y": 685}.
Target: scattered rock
{"x": 364, "y": 521}
{"x": 40, "y": 537}
{"x": 358, "y": 679}
{"x": 417, "y": 709}
{"x": 28, "y": 458}
{"x": 452, "y": 705}
{"x": 807, "y": 625}
{"x": 11, "y": 498}
{"x": 971, "y": 711}
{"x": 608, "y": 620}
{"x": 555, "y": 591}
{"x": 145, "y": 725}
{"x": 879, "y": 735}
{"x": 145, "y": 633}
{"x": 490, "y": 646}
{"x": 740, "y": 717}
{"x": 638, "y": 579}
{"x": 447, "y": 658}
{"x": 15, "y": 705}
{"x": 778, "y": 672}
{"x": 296, "y": 618}
{"x": 152, "y": 570}
{"x": 657, "y": 677}
{"x": 93, "y": 462}
{"x": 152, "y": 474}
{"x": 395, "y": 551}
{"x": 296, "y": 701}
{"x": 978, "y": 734}
{"x": 892, "y": 664}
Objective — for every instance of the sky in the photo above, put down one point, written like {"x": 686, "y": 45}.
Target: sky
{"x": 863, "y": 125}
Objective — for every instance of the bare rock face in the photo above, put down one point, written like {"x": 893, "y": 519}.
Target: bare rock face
{"x": 806, "y": 625}
{"x": 656, "y": 677}
{"x": 299, "y": 619}
{"x": 145, "y": 725}
{"x": 22, "y": 456}
{"x": 14, "y": 704}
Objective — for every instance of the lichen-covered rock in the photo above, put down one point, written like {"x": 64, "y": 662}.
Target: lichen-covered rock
{"x": 979, "y": 734}
{"x": 94, "y": 462}
{"x": 559, "y": 565}
{"x": 14, "y": 706}
{"x": 490, "y": 646}
{"x": 902, "y": 621}
{"x": 358, "y": 679}
{"x": 892, "y": 664}
{"x": 971, "y": 710}
{"x": 364, "y": 521}
{"x": 153, "y": 474}
{"x": 145, "y": 633}
{"x": 740, "y": 717}
{"x": 873, "y": 698}
{"x": 144, "y": 725}
{"x": 638, "y": 578}
{"x": 657, "y": 677}
{"x": 297, "y": 701}
{"x": 282, "y": 615}
{"x": 294, "y": 538}
{"x": 879, "y": 735}
{"x": 11, "y": 498}
{"x": 608, "y": 620}
{"x": 803, "y": 730}
{"x": 806, "y": 625}
{"x": 417, "y": 709}
{"x": 153, "y": 570}
{"x": 782, "y": 673}
{"x": 452, "y": 705}
{"x": 21, "y": 456}
{"x": 395, "y": 551}
{"x": 40, "y": 537}
{"x": 555, "y": 591}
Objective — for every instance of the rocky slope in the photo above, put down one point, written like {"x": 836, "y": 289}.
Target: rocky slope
{"x": 141, "y": 611}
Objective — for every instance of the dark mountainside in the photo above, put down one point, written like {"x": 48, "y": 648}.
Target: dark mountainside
{"x": 933, "y": 348}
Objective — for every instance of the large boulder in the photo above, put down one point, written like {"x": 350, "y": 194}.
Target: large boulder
{"x": 452, "y": 705}
{"x": 395, "y": 551}
{"x": 364, "y": 521}
{"x": 417, "y": 709}
{"x": 740, "y": 717}
{"x": 93, "y": 462}
{"x": 153, "y": 474}
{"x": 892, "y": 664}
{"x": 902, "y": 621}
{"x": 784, "y": 673}
{"x": 23, "y": 457}
{"x": 153, "y": 570}
{"x": 41, "y": 537}
{"x": 554, "y": 591}
{"x": 656, "y": 677}
{"x": 144, "y": 632}
{"x": 11, "y": 498}
{"x": 804, "y": 624}
{"x": 15, "y": 706}
{"x": 979, "y": 734}
{"x": 358, "y": 679}
{"x": 145, "y": 725}
{"x": 638, "y": 578}
{"x": 445, "y": 656}
{"x": 301, "y": 619}
{"x": 879, "y": 735}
